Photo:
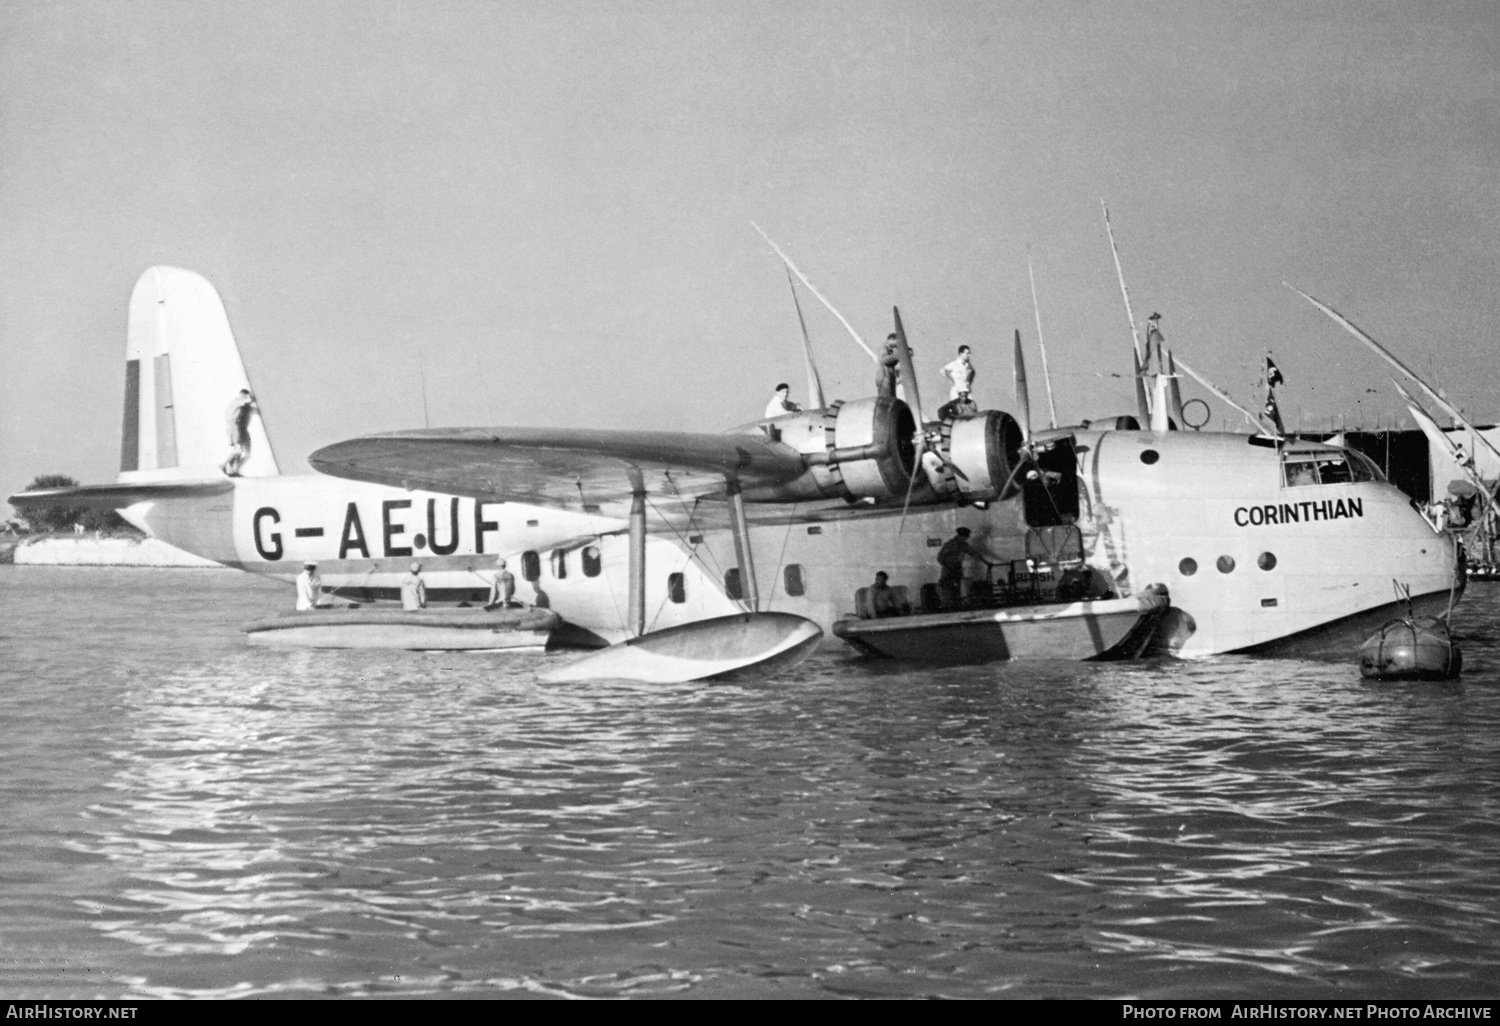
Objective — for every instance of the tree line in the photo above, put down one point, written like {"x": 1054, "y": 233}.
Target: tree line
{"x": 62, "y": 518}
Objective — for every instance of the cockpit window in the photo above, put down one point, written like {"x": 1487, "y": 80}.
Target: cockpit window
{"x": 1310, "y": 468}
{"x": 1363, "y": 468}
{"x": 1299, "y": 469}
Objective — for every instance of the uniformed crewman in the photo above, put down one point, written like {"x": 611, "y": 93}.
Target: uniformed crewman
{"x": 309, "y": 587}
{"x": 502, "y": 588}
{"x": 414, "y": 589}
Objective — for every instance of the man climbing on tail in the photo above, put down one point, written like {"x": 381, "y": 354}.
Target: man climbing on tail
{"x": 238, "y": 419}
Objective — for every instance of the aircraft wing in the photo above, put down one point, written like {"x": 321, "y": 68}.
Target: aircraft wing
{"x": 561, "y": 466}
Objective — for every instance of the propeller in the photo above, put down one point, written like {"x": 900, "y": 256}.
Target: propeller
{"x": 1027, "y": 455}
{"x": 909, "y": 377}
{"x": 1023, "y": 395}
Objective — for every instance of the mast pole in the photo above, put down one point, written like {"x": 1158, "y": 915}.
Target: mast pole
{"x": 1042, "y": 345}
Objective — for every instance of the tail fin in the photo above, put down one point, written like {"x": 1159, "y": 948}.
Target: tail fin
{"x": 182, "y": 371}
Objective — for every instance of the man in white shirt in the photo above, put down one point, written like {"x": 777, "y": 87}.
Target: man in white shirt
{"x": 414, "y": 589}
{"x": 309, "y": 587}
{"x": 961, "y": 373}
{"x": 781, "y": 402}
{"x": 502, "y": 588}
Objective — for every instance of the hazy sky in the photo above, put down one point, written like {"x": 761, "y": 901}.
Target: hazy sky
{"x": 545, "y": 206}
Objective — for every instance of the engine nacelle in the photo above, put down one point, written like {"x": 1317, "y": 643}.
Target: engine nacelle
{"x": 979, "y": 454}
{"x": 864, "y": 449}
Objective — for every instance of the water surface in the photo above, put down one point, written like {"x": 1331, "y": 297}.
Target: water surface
{"x": 181, "y": 815}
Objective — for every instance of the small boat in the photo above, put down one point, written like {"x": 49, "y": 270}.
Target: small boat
{"x": 415, "y": 630}
{"x": 1411, "y": 648}
{"x": 1107, "y": 628}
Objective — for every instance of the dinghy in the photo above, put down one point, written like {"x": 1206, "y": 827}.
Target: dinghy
{"x": 1111, "y": 628}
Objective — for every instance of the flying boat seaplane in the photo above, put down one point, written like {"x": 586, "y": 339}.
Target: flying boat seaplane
{"x": 694, "y": 554}
{"x": 1095, "y": 542}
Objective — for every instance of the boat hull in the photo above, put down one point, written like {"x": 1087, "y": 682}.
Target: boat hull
{"x": 1102, "y": 629}
{"x": 413, "y": 630}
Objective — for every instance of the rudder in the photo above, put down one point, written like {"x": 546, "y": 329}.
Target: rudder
{"x": 182, "y": 370}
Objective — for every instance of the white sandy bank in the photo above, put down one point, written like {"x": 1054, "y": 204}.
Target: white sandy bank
{"x": 90, "y": 551}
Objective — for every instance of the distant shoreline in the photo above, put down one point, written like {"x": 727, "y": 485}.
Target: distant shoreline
{"x": 95, "y": 551}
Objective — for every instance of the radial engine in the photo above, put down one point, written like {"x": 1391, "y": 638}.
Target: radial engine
{"x": 867, "y": 449}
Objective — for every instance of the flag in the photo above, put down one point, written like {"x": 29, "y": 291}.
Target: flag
{"x": 1273, "y": 412}
{"x": 1273, "y": 373}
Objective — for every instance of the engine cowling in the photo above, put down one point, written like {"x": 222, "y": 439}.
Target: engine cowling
{"x": 979, "y": 454}
{"x": 863, "y": 449}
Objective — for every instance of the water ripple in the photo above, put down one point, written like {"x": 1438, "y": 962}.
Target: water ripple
{"x": 189, "y": 817}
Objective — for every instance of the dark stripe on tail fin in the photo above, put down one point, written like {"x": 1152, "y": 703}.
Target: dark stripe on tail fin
{"x": 130, "y": 431}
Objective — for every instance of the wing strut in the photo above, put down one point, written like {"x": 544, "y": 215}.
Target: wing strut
{"x": 742, "y": 554}
{"x": 752, "y": 643}
{"x": 636, "y": 615}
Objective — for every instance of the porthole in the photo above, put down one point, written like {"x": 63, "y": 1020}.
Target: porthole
{"x": 592, "y": 563}
{"x": 1149, "y": 456}
{"x": 559, "y": 563}
{"x": 677, "y": 587}
{"x": 1188, "y": 567}
{"x": 1266, "y": 561}
{"x": 531, "y": 565}
{"x": 1225, "y": 564}
{"x": 792, "y": 577}
{"x": 732, "y": 585}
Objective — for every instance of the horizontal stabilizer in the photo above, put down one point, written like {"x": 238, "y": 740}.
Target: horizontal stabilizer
{"x": 555, "y": 466}
{"x": 119, "y": 496}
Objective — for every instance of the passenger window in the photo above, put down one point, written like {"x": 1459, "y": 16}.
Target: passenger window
{"x": 677, "y": 588}
{"x": 792, "y": 577}
{"x": 559, "y": 563}
{"x": 732, "y": 586}
{"x": 592, "y": 563}
{"x": 531, "y": 566}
